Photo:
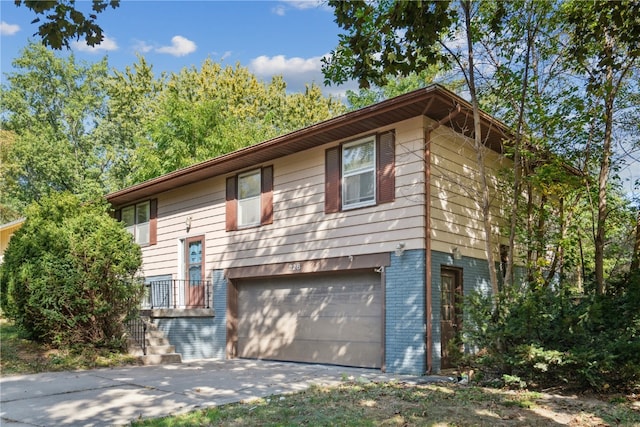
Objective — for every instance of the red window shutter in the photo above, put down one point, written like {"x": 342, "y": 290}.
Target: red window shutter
{"x": 266, "y": 216}
{"x": 332, "y": 199}
{"x": 232, "y": 204}
{"x": 386, "y": 171}
{"x": 153, "y": 221}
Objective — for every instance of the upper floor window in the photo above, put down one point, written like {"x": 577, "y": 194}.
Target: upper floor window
{"x": 249, "y": 190}
{"x": 360, "y": 173}
{"x": 140, "y": 221}
{"x": 249, "y": 199}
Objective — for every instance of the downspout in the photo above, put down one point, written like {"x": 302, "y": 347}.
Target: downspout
{"x": 427, "y": 232}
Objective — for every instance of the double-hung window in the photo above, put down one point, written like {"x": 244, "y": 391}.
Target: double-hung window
{"x": 249, "y": 190}
{"x": 360, "y": 173}
{"x": 139, "y": 220}
{"x": 249, "y": 199}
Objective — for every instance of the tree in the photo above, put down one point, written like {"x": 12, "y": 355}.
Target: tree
{"x": 203, "y": 113}
{"x": 68, "y": 273}
{"x": 605, "y": 48}
{"x": 51, "y": 106}
{"x": 64, "y": 21}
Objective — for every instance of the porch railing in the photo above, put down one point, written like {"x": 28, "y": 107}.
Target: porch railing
{"x": 177, "y": 294}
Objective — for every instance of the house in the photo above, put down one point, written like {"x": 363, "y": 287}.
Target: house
{"x": 6, "y": 231}
{"x": 347, "y": 242}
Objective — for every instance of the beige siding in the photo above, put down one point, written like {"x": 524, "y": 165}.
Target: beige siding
{"x": 456, "y": 216}
{"x": 300, "y": 230}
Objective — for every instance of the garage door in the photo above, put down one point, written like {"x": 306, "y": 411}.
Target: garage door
{"x": 320, "y": 318}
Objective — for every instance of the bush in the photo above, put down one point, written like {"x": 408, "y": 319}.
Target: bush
{"x": 549, "y": 337}
{"x": 68, "y": 273}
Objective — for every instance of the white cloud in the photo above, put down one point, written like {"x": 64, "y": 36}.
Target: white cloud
{"x": 279, "y": 10}
{"x": 107, "y": 45}
{"x": 8, "y": 29}
{"x": 297, "y": 72}
{"x": 141, "y": 46}
{"x": 303, "y": 4}
{"x": 180, "y": 46}
{"x": 279, "y": 64}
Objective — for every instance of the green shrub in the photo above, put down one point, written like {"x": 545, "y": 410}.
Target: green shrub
{"x": 68, "y": 273}
{"x": 547, "y": 336}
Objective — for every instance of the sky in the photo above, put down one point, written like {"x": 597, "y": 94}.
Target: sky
{"x": 286, "y": 38}
{"x": 269, "y": 37}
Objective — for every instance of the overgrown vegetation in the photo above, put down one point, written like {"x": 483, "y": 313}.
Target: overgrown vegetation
{"x": 68, "y": 274}
{"x": 21, "y": 355}
{"x": 398, "y": 404}
{"x": 542, "y": 337}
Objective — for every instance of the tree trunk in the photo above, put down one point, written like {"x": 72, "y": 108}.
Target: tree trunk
{"x": 479, "y": 148}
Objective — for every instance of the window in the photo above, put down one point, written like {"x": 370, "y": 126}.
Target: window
{"x": 249, "y": 200}
{"x": 140, "y": 221}
{"x": 249, "y": 190}
{"x": 360, "y": 173}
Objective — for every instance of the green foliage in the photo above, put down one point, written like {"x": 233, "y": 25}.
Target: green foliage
{"x": 386, "y": 38}
{"x": 65, "y": 22}
{"x": 50, "y": 106}
{"x": 68, "y": 273}
{"x": 547, "y": 337}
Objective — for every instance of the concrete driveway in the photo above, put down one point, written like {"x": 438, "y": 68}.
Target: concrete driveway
{"x": 107, "y": 397}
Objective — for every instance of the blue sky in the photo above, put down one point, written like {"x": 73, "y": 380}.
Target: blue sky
{"x": 268, "y": 37}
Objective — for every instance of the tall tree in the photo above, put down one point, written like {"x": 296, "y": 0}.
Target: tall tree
{"x": 52, "y": 106}
{"x": 605, "y": 47}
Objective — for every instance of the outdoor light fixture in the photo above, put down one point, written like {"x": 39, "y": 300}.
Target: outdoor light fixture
{"x": 455, "y": 252}
{"x": 188, "y": 223}
{"x": 400, "y": 249}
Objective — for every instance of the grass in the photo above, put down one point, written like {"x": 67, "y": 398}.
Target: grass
{"x": 19, "y": 355}
{"x": 400, "y": 404}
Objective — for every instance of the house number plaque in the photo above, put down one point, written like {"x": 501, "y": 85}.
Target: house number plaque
{"x": 295, "y": 266}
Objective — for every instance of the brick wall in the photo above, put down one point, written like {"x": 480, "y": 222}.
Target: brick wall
{"x": 404, "y": 316}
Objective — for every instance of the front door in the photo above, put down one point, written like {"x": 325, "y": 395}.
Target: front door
{"x": 194, "y": 258}
{"x": 450, "y": 313}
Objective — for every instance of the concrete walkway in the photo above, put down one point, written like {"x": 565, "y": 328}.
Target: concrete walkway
{"x": 115, "y": 397}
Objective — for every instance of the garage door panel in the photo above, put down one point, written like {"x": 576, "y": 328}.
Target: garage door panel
{"x": 333, "y": 318}
{"x": 328, "y": 301}
{"x": 366, "y": 328}
{"x": 366, "y": 355}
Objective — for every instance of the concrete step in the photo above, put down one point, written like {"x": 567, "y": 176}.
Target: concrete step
{"x": 161, "y": 359}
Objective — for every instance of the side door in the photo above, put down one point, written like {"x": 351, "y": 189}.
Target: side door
{"x": 450, "y": 312}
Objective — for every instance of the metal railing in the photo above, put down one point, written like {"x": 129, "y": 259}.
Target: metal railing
{"x": 177, "y": 294}
{"x": 137, "y": 328}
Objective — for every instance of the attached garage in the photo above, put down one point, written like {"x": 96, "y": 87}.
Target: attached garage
{"x": 333, "y": 318}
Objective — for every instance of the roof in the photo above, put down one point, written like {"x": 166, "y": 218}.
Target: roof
{"x": 434, "y": 101}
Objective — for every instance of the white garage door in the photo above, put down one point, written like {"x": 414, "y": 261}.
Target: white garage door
{"x": 320, "y": 318}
